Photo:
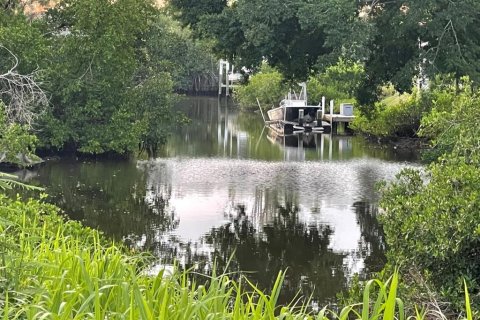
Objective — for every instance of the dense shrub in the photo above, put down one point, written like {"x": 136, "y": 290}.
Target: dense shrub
{"x": 16, "y": 142}
{"x": 396, "y": 116}
{"x": 434, "y": 228}
{"x": 267, "y": 86}
{"x": 432, "y": 219}
{"x": 338, "y": 82}
{"x": 452, "y": 123}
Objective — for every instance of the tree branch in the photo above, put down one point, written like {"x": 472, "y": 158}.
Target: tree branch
{"x": 22, "y": 96}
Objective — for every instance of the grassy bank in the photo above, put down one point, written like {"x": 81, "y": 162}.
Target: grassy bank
{"x": 57, "y": 269}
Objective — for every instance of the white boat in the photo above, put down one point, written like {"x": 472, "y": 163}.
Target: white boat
{"x": 294, "y": 114}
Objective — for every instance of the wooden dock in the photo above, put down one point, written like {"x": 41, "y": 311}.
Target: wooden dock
{"x": 331, "y": 118}
{"x": 336, "y": 119}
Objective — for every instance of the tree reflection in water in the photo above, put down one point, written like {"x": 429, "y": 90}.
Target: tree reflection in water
{"x": 284, "y": 244}
{"x": 264, "y": 237}
{"x": 112, "y": 196}
{"x": 372, "y": 245}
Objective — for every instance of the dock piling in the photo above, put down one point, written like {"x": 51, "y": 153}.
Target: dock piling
{"x": 323, "y": 106}
{"x": 227, "y": 89}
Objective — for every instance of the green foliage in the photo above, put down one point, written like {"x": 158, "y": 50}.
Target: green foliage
{"x": 434, "y": 227}
{"x": 338, "y": 82}
{"x": 23, "y": 38}
{"x": 346, "y": 36}
{"x": 440, "y": 36}
{"x": 190, "y": 12}
{"x": 396, "y": 41}
{"x": 437, "y": 213}
{"x": 154, "y": 99}
{"x": 253, "y": 30}
{"x": 224, "y": 31}
{"x": 437, "y": 114}
{"x": 394, "y": 116}
{"x": 267, "y": 86}
{"x": 16, "y": 139}
{"x": 451, "y": 125}
{"x": 107, "y": 54}
{"x": 96, "y": 59}
{"x": 170, "y": 48}
{"x": 93, "y": 67}
{"x": 9, "y": 181}
{"x": 16, "y": 142}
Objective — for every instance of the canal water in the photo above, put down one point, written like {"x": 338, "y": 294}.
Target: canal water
{"x": 225, "y": 190}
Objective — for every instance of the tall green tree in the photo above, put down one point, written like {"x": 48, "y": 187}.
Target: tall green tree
{"x": 23, "y": 56}
{"x": 420, "y": 39}
{"x": 397, "y": 41}
{"x": 171, "y": 48}
{"x": 295, "y": 36}
{"x": 93, "y": 73}
{"x": 276, "y": 30}
{"x": 189, "y": 12}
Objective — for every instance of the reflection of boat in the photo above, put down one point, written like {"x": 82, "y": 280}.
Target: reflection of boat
{"x": 326, "y": 146}
{"x": 295, "y": 115}
{"x": 302, "y": 140}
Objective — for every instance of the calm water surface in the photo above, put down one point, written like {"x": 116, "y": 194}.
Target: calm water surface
{"x": 224, "y": 185}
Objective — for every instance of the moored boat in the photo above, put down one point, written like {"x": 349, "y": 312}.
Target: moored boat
{"x": 295, "y": 115}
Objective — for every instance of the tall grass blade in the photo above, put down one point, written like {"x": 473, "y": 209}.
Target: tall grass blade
{"x": 366, "y": 300}
{"x": 322, "y": 314}
{"x": 345, "y": 313}
{"x": 389, "y": 313}
{"x": 5, "y": 307}
{"x": 419, "y": 315}
{"x": 401, "y": 309}
{"x": 467, "y": 302}
{"x": 276, "y": 289}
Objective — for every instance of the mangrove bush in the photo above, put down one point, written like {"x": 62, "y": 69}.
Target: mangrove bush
{"x": 431, "y": 218}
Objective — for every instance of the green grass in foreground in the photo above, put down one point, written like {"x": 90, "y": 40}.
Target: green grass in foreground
{"x": 56, "y": 269}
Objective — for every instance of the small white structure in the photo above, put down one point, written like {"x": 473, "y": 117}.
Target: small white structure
{"x": 227, "y": 77}
{"x": 346, "y": 109}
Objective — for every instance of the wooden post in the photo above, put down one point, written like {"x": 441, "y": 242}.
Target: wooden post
{"x": 330, "y": 147}
{"x": 347, "y": 128}
{"x": 323, "y": 106}
{"x": 219, "y": 112}
{"x": 322, "y": 145}
{"x": 220, "y": 76}
{"x": 228, "y": 81}
{"x": 319, "y": 118}
{"x": 331, "y": 109}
